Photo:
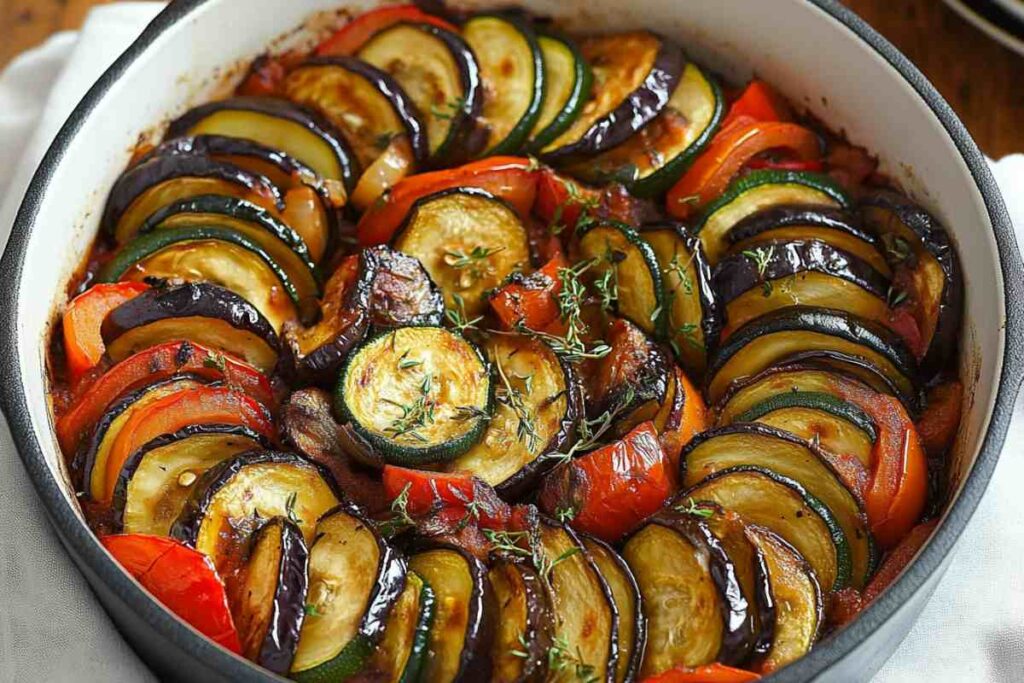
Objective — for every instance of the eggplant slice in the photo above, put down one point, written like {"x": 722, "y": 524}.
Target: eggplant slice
{"x": 206, "y": 314}
{"x": 397, "y": 290}
{"x": 523, "y": 635}
{"x": 538, "y": 404}
{"x": 269, "y": 595}
{"x": 635, "y": 74}
{"x": 464, "y": 626}
{"x": 355, "y": 580}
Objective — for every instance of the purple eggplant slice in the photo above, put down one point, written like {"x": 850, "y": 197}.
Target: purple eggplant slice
{"x": 396, "y": 290}
{"x": 523, "y": 636}
{"x": 277, "y": 123}
{"x": 635, "y": 75}
{"x": 205, "y": 313}
{"x": 268, "y": 595}
{"x": 367, "y": 104}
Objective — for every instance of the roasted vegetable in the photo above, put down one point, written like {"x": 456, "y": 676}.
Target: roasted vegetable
{"x": 350, "y": 37}
{"x": 83, "y": 343}
{"x": 402, "y": 651}
{"x": 567, "y": 82}
{"x": 524, "y": 623}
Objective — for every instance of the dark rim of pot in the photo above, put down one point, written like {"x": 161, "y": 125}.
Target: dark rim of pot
{"x": 81, "y": 542}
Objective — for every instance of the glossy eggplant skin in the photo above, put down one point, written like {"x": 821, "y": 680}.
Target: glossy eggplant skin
{"x": 390, "y": 89}
{"x": 396, "y": 290}
{"x": 638, "y": 108}
{"x": 738, "y": 273}
{"x": 535, "y": 639}
{"x": 787, "y": 216}
{"x": 137, "y": 179}
{"x": 886, "y": 205}
{"x": 222, "y": 145}
{"x": 191, "y": 299}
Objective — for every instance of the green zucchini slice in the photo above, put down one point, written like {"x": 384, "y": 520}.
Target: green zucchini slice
{"x": 799, "y": 610}
{"x": 758, "y": 191}
{"x": 512, "y": 71}
{"x": 585, "y": 622}
{"x": 632, "y": 639}
{"x": 355, "y": 579}
{"x": 468, "y": 240}
{"x": 692, "y": 319}
{"x": 210, "y": 253}
{"x": 567, "y": 81}
{"x": 650, "y": 161}
{"x": 761, "y": 496}
{"x": 522, "y": 639}
{"x": 776, "y": 336}
{"x": 822, "y": 475}
{"x": 402, "y": 651}
{"x": 538, "y": 403}
{"x": 463, "y": 629}
{"x": 625, "y": 265}
{"x": 414, "y": 395}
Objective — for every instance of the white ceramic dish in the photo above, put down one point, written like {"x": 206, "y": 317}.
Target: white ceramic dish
{"x": 819, "y": 53}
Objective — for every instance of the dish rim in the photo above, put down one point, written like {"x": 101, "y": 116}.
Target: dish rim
{"x": 86, "y": 549}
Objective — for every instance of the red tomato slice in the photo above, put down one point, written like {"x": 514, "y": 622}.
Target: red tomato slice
{"x": 354, "y": 34}
{"x": 83, "y": 343}
{"x": 710, "y": 673}
{"x": 448, "y": 494}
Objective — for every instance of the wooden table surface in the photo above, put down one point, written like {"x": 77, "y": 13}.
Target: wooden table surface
{"x": 981, "y": 79}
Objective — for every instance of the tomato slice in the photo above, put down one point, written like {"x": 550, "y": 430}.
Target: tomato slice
{"x": 513, "y": 179}
{"x": 531, "y": 301}
{"x": 83, "y": 343}
{"x": 354, "y": 34}
{"x": 710, "y": 673}
{"x": 197, "y": 406}
{"x": 182, "y": 579}
{"x": 451, "y": 495}
{"x": 729, "y": 152}
{"x": 562, "y": 201}
{"x": 152, "y": 365}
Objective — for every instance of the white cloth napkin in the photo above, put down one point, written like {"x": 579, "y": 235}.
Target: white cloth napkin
{"x": 52, "y": 628}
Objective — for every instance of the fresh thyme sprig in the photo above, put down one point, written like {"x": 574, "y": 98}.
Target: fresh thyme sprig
{"x": 513, "y": 398}
{"x": 761, "y": 258}
{"x": 591, "y": 431}
{"x": 400, "y": 519}
{"x": 450, "y": 108}
{"x": 693, "y": 508}
{"x": 607, "y": 287}
{"x": 510, "y": 542}
{"x": 415, "y": 415}
{"x": 458, "y": 318}
{"x": 562, "y": 658}
{"x": 458, "y": 258}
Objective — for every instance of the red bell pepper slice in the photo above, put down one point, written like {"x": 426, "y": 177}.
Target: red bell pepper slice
{"x": 811, "y": 165}
{"x": 513, "y": 179}
{"x": 561, "y": 202}
{"x": 200, "y": 405}
{"x": 731, "y": 149}
{"x": 757, "y": 102}
{"x": 152, "y": 365}
{"x": 350, "y": 37}
{"x": 532, "y": 301}
{"x": 610, "y": 490}
{"x": 710, "y": 673}
{"x": 83, "y": 344}
{"x": 182, "y": 579}
{"x": 453, "y": 496}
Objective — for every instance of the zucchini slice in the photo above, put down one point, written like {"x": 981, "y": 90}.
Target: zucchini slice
{"x": 696, "y": 612}
{"x": 158, "y": 478}
{"x": 586, "y": 622}
{"x": 771, "y": 500}
{"x": 650, "y": 161}
{"x": 758, "y": 191}
{"x": 919, "y": 250}
{"x": 838, "y": 425}
{"x": 512, "y": 71}
{"x": 769, "y": 339}
{"x": 366, "y": 104}
{"x": 206, "y": 314}
{"x": 823, "y": 475}
{"x": 439, "y": 72}
{"x": 402, "y": 651}
{"x": 355, "y": 579}
{"x": 635, "y": 74}
{"x": 625, "y": 265}
{"x": 539, "y": 400}
{"x": 799, "y": 610}
{"x": 147, "y": 187}
{"x": 414, "y": 395}
{"x": 213, "y": 254}
{"x": 268, "y": 595}
{"x": 803, "y": 222}
{"x": 632, "y": 640}
{"x": 692, "y": 316}
{"x": 779, "y": 274}
{"x": 463, "y": 629}
{"x": 524, "y": 623}
{"x": 278, "y": 124}
{"x": 468, "y": 240}
{"x": 231, "y": 499}
{"x": 567, "y": 82}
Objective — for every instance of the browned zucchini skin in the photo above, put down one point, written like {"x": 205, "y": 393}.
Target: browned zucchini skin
{"x": 737, "y": 274}
{"x": 191, "y": 299}
{"x": 120, "y": 498}
{"x": 137, "y": 179}
{"x": 798, "y": 215}
{"x": 936, "y": 240}
{"x": 539, "y": 620}
{"x": 638, "y": 109}
{"x": 282, "y": 109}
{"x": 391, "y": 90}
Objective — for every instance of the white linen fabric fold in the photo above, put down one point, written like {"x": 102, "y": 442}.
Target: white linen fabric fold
{"x": 53, "y": 629}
